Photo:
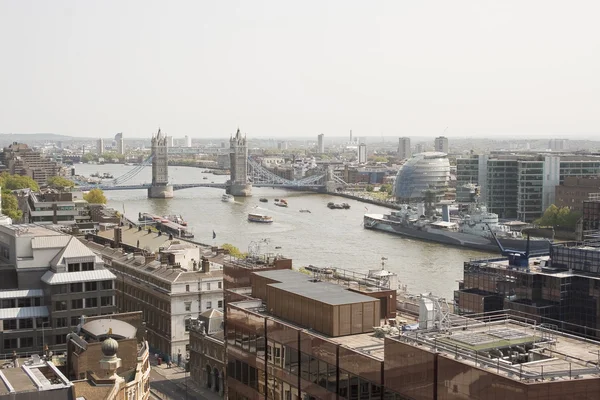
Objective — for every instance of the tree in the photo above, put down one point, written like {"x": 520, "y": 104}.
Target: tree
{"x": 95, "y": 196}
{"x": 10, "y": 205}
{"x": 369, "y": 188}
{"x": 562, "y": 217}
{"x": 234, "y": 251}
{"x": 59, "y": 182}
{"x": 387, "y": 188}
{"x": 14, "y": 182}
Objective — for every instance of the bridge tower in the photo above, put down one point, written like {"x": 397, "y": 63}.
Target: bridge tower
{"x": 160, "y": 188}
{"x": 238, "y": 184}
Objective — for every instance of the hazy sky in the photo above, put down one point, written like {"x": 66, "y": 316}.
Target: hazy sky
{"x": 283, "y": 68}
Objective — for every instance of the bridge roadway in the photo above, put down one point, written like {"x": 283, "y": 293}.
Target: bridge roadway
{"x": 180, "y": 186}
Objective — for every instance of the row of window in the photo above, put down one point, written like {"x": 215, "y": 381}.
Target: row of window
{"x": 89, "y": 302}
{"x": 349, "y": 386}
{"x": 76, "y": 267}
{"x": 23, "y": 323}
{"x": 209, "y": 305}
{"x": 21, "y": 302}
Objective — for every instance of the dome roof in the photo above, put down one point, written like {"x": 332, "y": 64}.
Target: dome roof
{"x": 110, "y": 347}
{"x": 424, "y": 171}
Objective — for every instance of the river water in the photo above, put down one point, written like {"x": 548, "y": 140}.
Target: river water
{"x": 323, "y": 238}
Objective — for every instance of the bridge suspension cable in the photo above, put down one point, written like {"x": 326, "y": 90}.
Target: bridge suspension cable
{"x": 131, "y": 173}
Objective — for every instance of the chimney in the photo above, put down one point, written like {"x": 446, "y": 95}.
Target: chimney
{"x": 149, "y": 230}
{"x": 118, "y": 237}
{"x": 170, "y": 236}
{"x": 205, "y": 265}
{"x": 139, "y": 228}
{"x": 159, "y": 233}
{"x": 149, "y": 257}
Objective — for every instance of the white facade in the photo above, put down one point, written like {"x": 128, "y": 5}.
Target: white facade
{"x": 362, "y": 153}
{"x": 404, "y": 151}
{"x": 321, "y": 143}
{"x": 100, "y": 146}
{"x": 188, "y": 141}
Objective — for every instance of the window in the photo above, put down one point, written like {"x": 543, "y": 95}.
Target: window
{"x": 60, "y": 306}
{"x": 73, "y": 267}
{"x": 8, "y": 303}
{"x": 106, "y": 301}
{"x": 75, "y": 321}
{"x": 208, "y": 286}
{"x": 208, "y": 305}
{"x": 91, "y": 286}
{"x": 76, "y": 304}
{"x": 60, "y": 339}
{"x": 11, "y": 343}
{"x": 60, "y": 322}
{"x": 76, "y": 287}
{"x": 87, "y": 266}
{"x": 91, "y": 302}
{"x": 220, "y": 304}
{"x": 187, "y": 288}
{"x": 188, "y": 306}
{"x": 26, "y": 342}
{"x": 26, "y": 323}
{"x": 106, "y": 285}
{"x": 60, "y": 289}
{"x": 10, "y": 324}
{"x": 220, "y": 285}
{"x": 24, "y": 302}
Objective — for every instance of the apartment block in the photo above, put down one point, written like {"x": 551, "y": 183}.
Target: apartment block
{"x": 48, "y": 280}
{"x": 404, "y": 150}
{"x": 20, "y": 159}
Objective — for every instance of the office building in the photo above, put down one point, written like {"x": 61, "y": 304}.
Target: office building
{"x": 362, "y": 153}
{"x": 522, "y": 186}
{"x": 188, "y": 141}
{"x": 171, "y": 288}
{"x": 48, "y": 280}
{"x": 404, "y": 150}
{"x": 321, "y": 143}
{"x": 20, "y": 159}
{"x": 558, "y": 145}
{"x": 289, "y": 336}
{"x": 574, "y": 191}
{"x": 590, "y": 219}
{"x": 207, "y": 351}
{"x": 419, "y": 148}
{"x": 100, "y": 146}
{"x": 423, "y": 172}
{"x": 120, "y": 143}
{"x": 441, "y": 144}
{"x": 33, "y": 377}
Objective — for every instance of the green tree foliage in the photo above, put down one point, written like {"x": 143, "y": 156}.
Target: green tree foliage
{"x": 562, "y": 217}
{"x": 369, "y": 188}
{"x": 10, "y": 205}
{"x": 14, "y": 182}
{"x": 95, "y": 196}
{"x": 387, "y": 188}
{"x": 87, "y": 157}
{"x": 380, "y": 159}
{"x": 234, "y": 251}
{"x": 59, "y": 182}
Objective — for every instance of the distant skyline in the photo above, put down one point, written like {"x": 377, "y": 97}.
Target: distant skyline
{"x": 484, "y": 69}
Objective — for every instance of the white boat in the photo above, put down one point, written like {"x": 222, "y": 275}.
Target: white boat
{"x": 227, "y": 198}
{"x": 265, "y": 219}
{"x": 280, "y": 202}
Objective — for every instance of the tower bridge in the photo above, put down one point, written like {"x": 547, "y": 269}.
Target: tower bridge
{"x": 245, "y": 173}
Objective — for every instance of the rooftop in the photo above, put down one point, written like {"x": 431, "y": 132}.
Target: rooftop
{"x": 155, "y": 268}
{"x": 31, "y": 375}
{"x": 148, "y": 241}
{"x": 31, "y": 230}
{"x": 513, "y": 348}
{"x": 304, "y": 285}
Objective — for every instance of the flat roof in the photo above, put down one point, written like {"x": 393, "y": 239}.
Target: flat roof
{"x": 32, "y": 230}
{"x": 545, "y": 352}
{"x": 305, "y": 286}
{"x": 32, "y": 375}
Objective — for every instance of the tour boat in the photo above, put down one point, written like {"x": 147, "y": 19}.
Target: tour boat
{"x": 260, "y": 218}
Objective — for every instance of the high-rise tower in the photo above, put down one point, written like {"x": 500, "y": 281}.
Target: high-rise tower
{"x": 238, "y": 184}
{"x": 404, "y": 148}
{"x": 160, "y": 188}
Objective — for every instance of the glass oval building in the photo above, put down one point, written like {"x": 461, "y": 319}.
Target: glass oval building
{"x": 424, "y": 171}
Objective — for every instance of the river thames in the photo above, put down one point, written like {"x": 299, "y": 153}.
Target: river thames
{"x": 323, "y": 237}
